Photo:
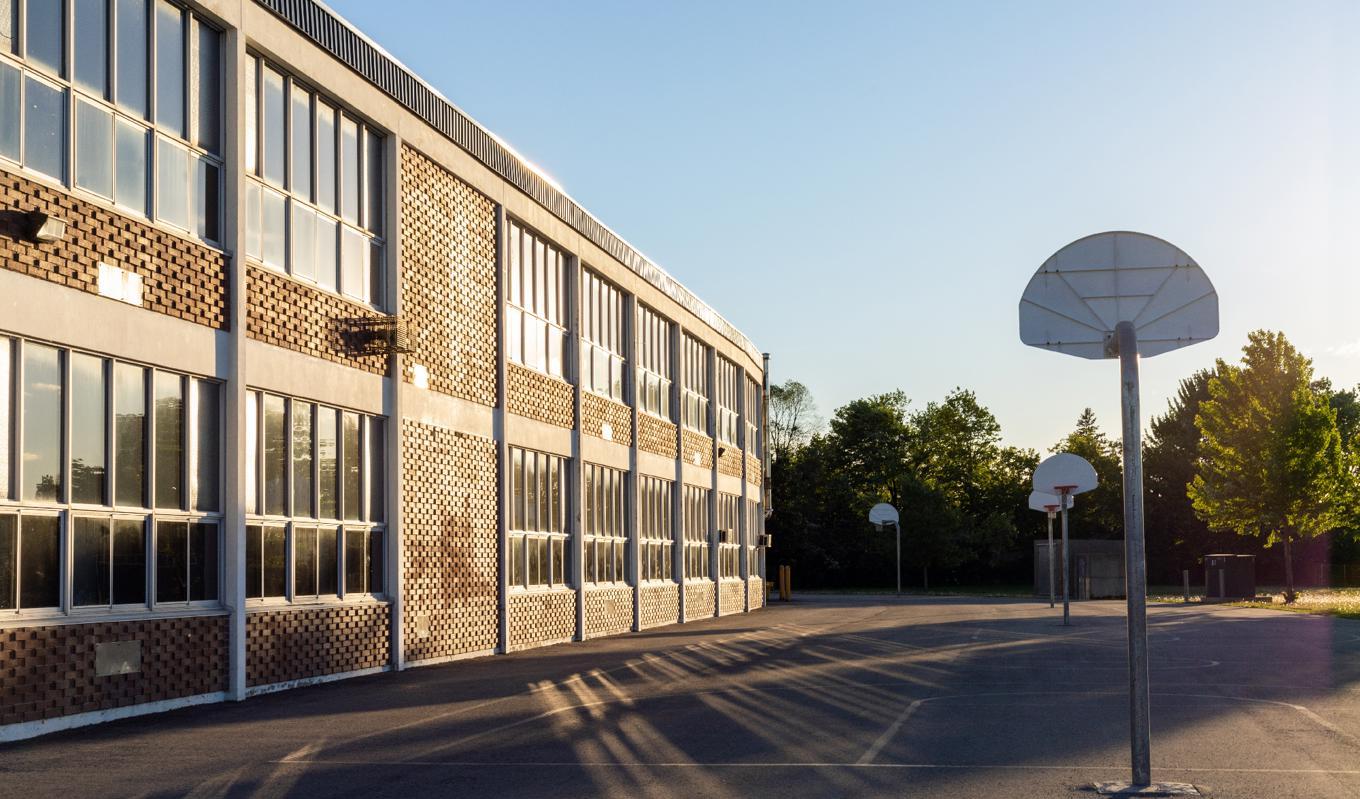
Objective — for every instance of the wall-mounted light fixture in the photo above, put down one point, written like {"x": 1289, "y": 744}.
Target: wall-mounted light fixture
{"x": 44, "y": 229}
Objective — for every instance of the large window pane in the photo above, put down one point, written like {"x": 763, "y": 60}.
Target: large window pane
{"x": 42, "y": 423}
{"x": 129, "y": 562}
{"x": 172, "y": 183}
{"x": 377, "y": 283}
{"x": 169, "y": 68}
{"x": 275, "y": 456}
{"x": 131, "y": 171}
{"x": 207, "y": 89}
{"x": 373, "y": 184}
{"x": 327, "y": 472}
{"x": 207, "y": 200}
{"x": 327, "y": 263}
{"x": 9, "y": 40}
{"x": 254, "y": 562}
{"x": 325, "y": 156}
{"x": 203, "y": 548}
{"x": 208, "y": 437}
{"x": 301, "y": 183}
{"x": 90, "y": 562}
{"x": 275, "y": 562}
{"x": 88, "y": 413}
{"x": 172, "y": 561}
{"x": 252, "y": 101}
{"x": 129, "y": 434}
{"x": 169, "y": 440}
{"x": 40, "y": 562}
{"x": 355, "y": 566}
{"x": 131, "y": 69}
{"x": 349, "y": 170}
{"x": 6, "y": 412}
{"x": 92, "y": 45}
{"x": 377, "y": 477}
{"x": 327, "y": 561}
{"x": 352, "y": 466}
{"x": 9, "y": 551}
{"x": 302, "y": 459}
{"x": 9, "y": 111}
{"x": 252, "y": 451}
{"x": 274, "y": 106}
{"x": 274, "y": 216}
{"x": 45, "y": 128}
{"x": 304, "y": 241}
{"x": 94, "y": 148}
{"x": 43, "y": 28}
{"x": 353, "y": 262}
{"x": 304, "y": 561}
{"x": 376, "y": 560}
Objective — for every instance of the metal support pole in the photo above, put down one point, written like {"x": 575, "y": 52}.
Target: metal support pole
{"x": 1051, "y": 588}
{"x": 1135, "y": 563}
{"x": 898, "y": 527}
{"x": 1062, "y": 497}
{"x": 1185, "y": 578}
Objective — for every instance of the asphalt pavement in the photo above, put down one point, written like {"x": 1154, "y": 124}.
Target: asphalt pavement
{"x": 822, "y": 697}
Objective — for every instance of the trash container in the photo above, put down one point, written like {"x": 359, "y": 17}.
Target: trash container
{"x": 1228, "y": 577}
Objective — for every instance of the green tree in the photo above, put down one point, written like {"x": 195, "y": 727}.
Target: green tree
{"x": 1176, "y": 535}
{"x": 793, "y": 418}
{"x": 1271, "y": 461}
{"x": 1098, "y": 513}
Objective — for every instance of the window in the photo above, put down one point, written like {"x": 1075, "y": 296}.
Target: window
{"x": 315, "y": 201}
{"x": 754, "y": 527}
{"x": 727, "y": 396}
{"x": 601, "y": 337}
{"x": 536, "y": 305}
{"x": 97, "y": 101}
{"x": 307, "y": 465}
{"x": 694, "y": 398}
{"x": 653, "y": 363}
{"x": 606, "y": 531}
{"x": 105, "y": 441}
{"x": 729, "y": 536}
{"x": 656, "y": 536}
{"x": 697, "y": 537}
{"x": 538, "y": 554}
{"x": 754, "y": 411}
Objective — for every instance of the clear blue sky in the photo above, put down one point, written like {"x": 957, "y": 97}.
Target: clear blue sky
{"x": 865, "y": 188}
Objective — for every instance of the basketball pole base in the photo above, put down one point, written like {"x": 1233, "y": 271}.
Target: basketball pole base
{"x": 1154, "y": 789}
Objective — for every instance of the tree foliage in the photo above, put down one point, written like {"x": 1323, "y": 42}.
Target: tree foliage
{"x": 793, "y": 418}
{"x": 1098, "y": 513}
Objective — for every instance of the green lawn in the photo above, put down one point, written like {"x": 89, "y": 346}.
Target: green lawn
{"x": 1340, "y": 602}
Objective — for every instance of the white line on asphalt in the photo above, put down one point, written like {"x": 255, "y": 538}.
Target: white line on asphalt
{"x": 877, "y": 746}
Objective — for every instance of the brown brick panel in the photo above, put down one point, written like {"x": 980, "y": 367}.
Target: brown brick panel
{"x": 696, "y": 444}
{"x": 448, "y": 290}
{"x": 730, "y": 462}
{"x": 660, "y": 605}
{"x": 180, "y": 277}
{"x": 535, "y": 395}
{"x": 731, "y": 597}
{"x": 656, "y": 436}
{"x": 700, "y": 599}
{"x": 755, "y": 592}
{"x": 47, "y": 672}
{"x": 290, "y": 314}
{"x": 294, "y": 644}
{"x": 450, "y": 542}
{"x": 541, "y": 618}
{"x": 597, "y": 410}
{"x": 753, "y": 470}
{"x": 609, "y": 611}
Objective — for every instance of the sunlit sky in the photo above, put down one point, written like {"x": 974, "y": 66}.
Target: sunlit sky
{"x": 865, "y": 188}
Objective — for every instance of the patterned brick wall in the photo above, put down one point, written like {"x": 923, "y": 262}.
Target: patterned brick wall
{"x": 450, "y": 542}
{"x": 541, "y": 618}
{"x": 700, "y": 599}
{"x": 46, "y": 672}
{"x": 290, "y": 314}
{"x": 295, "y": 644}
{"x": 753, "y": 470}
{"x": 660, "y": 605}
{"x": 534, "y": 395}
{"x": 755, "y": 592}
{"x": 180, "y": 277}
{"x": 609, "y": 611}
{"x": 696, "y": 444}
{"x": 596, "y": 410}
{"x": 448, "y": 291}
{"x": 657, "y": 436}
{"x": 731, "y": 597}
{"x": 730, "y": 462}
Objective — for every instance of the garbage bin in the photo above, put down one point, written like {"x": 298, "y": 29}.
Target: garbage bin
{"x": 1228, "y": 577}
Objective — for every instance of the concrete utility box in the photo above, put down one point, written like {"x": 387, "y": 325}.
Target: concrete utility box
{"x": 1095, "y": 569}
{"x": 1229, "y": 576}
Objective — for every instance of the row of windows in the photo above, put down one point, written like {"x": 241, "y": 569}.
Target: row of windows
{"x": 537, "y": 547}
{"x": 116, "y": 561}
{"x": 694, "y": 382}
{"x": 695, "y": 519}
{"x": 653, "y": 363}
{"x": 754, "y": 410}
{"x": 323, "y": 562}
{"x": 93, "y": 431}
{"x": 310, "y": 461}
{"x": 602, "y": 337}
{"x": 729, "y": 535}
{"x": 131, "y": 112}
{"x": 727, "y": 396}
{"x": 656, "y": 536}
{"x": 536, "y": 312}
{"x": 605, "y": 529}
{"x": 314, "y": 204}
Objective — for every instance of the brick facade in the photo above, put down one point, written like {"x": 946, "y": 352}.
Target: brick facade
{"x": 755, "y": 592}
{"x": 448, "y": 290}
{"x": 297, "y": 643}
{"x": 47, "y": 672}
{"x": 656, "y": 436}
{"x": 180, "y": 277}
{"x": 731, "y": 597}
{"x": 753, "y": 470}
{"x": 609, "y": 611}
{"x": 450, "y": 542}
{"x": 698, "y": 449}
{"x": 535, "y": 395}
{"x": 700, "y": 600}
{"x": 597, "y": 411}
{"x": 541, "y": 617}
{"x": 730, "y": 461}
{"x": 290, "y": 314}
{"x": 660, "y": 605}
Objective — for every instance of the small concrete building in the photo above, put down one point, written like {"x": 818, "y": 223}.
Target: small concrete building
{"x": 305, "y": 375}
{"x": 1095, "y": 568}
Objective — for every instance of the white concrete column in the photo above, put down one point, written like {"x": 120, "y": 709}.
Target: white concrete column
{"x": 498, "y": 430}
{"x": 678, "y": 492}
{"x": 575, "y": 468}
{"x": 632, "y": 486}
{"x": 392, "y": 403}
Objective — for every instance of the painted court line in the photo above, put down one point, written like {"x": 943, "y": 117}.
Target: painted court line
{"x": 882, "y": 741}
